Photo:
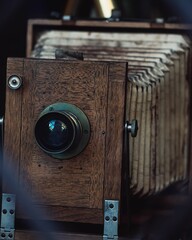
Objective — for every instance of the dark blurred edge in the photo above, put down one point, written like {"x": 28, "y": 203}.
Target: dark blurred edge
{"x": 13, "y": 25}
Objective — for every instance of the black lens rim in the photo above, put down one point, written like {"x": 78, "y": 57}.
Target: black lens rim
{"x": 61, "y": 116}
{"x": 81, "y": 125}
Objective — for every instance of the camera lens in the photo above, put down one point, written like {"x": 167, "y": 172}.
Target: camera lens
{"x": 55, "y": 132}
{"x": 62, "y": 130}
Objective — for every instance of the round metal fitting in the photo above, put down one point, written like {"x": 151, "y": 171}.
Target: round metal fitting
{"x": 132, "y": 127}
{"x": 62, "y": 130}
{"x": 14, "y": 82}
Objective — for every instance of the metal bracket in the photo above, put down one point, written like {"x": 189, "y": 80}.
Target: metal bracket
{"x": 111, "y": 210}
{"x": 115, "y": 15}
{"x": 7, "y": 217}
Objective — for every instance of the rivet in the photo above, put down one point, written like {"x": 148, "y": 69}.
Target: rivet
{"x": 111, "y": 205}
{"x": 14, "y": 82}
{"x": 3, "y": 235}
{"x": 11, "y": 211}
{"x": 10, "y": 235}
{"x": 4, "y": 211}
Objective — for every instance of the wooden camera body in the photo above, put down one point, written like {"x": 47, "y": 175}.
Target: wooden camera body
{"x": 109, "y": 166}
{"x": 81, "y": 182}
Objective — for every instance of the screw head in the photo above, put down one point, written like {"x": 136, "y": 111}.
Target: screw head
{"x": 4, "y": 211}
{"x": 111, "y": 205}
{"x": 3, "y": 235}
{"x": 10, "y": 235}
{"x": 14, "y": 82}
{"x": 11, "y": 211}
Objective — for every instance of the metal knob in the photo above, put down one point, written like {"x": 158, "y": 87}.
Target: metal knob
{"x": 132, "y": 127}
{"x": 14, "y": 82}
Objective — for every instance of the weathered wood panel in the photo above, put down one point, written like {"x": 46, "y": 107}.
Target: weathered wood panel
{"x": 31, "y": 235}
{"x": 12, "y": 127}
{"x": 73, "y": 189}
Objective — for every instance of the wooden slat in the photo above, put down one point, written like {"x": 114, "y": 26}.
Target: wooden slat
{"x": 31, "y": 235}
{"x": 59, "y": 213}
{"x": 115, "y": 127}
{"x": 12, "y": 130}
{"x": 190, "y": 129}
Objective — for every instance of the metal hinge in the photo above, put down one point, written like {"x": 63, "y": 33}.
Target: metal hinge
{"x": 7, "y": 229}
{"x": 111, "y": 210}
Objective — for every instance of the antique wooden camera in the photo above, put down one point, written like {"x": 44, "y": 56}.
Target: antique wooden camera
{"x": 71, "y": 118}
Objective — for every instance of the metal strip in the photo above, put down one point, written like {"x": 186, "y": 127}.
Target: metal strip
{"x": 111, "y": 210}
{"x": 1, "y": 134}
{"x": 7, "y": 217}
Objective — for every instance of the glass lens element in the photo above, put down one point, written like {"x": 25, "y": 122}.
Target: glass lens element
{"x": 55, "y": 132}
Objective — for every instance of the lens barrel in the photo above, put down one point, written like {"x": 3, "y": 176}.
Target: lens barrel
{"x": 62, "y": 130}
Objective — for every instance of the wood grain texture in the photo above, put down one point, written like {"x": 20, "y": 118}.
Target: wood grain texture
{"x": 60, "y": 213}
{"x": 115, "y": 127}
{"x": 84, "y": 24}
{"x": 74, "y": 189}
{"x": 75, "y": 182}
{"x": 12, "y": 123}
{"x": 30, "y": 36}
{"x": 31, "y": 235}
{"x": 190, "y": 122}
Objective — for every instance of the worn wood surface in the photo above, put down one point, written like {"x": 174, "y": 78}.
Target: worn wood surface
{"x": 31, "y": 235}
{"x": 25, "y": 235}
{"x": 190, "y": 138}
{"x": 67, "y": 187}
{"x": 62, "y": 213}
{"x": 115, "y": 122}
{"x": 12, "y": 127}
{"x": 34, "y": 24}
